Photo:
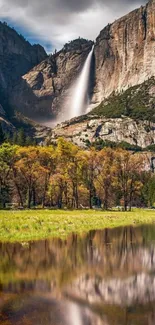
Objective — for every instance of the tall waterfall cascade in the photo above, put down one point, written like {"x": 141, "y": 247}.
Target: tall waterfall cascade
{"x": 80, "y": 99}
{"x": 77, "y": 101}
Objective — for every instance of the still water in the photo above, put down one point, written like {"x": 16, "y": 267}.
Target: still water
{"x": 101, "y": 278}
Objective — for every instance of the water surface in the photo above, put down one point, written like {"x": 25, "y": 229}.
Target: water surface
{"x": 101, "y": 278}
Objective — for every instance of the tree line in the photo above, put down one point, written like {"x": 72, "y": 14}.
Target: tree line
{"x": 66, "y": 176}
{"x": 17, "y": 137}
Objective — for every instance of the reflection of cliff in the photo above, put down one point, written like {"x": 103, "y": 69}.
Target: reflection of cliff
{"x": 115, "y": 253}
{"x": 138, "y": 289}
{"x": 102, "y": 278}
{"x": 42, "y": 310}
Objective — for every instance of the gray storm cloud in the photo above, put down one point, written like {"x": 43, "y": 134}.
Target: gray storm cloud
{"x": 58, "y": 21}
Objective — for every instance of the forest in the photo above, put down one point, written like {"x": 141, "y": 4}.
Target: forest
{"x": 66, "y": 176}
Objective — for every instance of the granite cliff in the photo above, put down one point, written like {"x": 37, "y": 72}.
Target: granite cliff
{"x": 123, "y": 57}
{"x": 17, "y": 57}
{"x": 37, "y": 85}
{"x": 124, "y": 52}
{"x": 43, "y": 90}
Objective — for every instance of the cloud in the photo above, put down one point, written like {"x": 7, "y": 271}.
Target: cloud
{"x": 58, "y": 21}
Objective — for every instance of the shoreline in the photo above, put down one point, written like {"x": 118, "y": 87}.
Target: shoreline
{"x": 32, "y": 225}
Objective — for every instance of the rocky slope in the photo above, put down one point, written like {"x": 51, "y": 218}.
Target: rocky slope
{"x": 94, "y": 130}
{"x": 128, "y": 117}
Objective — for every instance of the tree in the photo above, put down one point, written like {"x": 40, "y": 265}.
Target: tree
{"x": 2, "y": 136}
{"x": 128, "y": 166}
{"x": 47, "y": 160}
{"x": 89, "y": 168}
{"x": 21, "y": 137}
{"x": 105, "y": 175}
{"x": 68, "y": 176}
{"x": 28, "y": 141}
{"x": 148, "y": 190}
{"x": 7, "y": 156}
{"x": 29, "y": 169}
{"x": 67, "y": 165}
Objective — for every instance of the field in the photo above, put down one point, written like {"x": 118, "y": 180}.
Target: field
{"x": 40, "y": 224}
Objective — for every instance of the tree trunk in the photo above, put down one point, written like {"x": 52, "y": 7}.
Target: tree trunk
{"x": 45, "y": 189}
{"x": 76, "y": 197}
{"x": 90, "y": 198}
{"x": 29, "y": 198}
{"x": 125, "y": 204}
{"x": 34, "y": 196}
{"x": 20, "y": 195}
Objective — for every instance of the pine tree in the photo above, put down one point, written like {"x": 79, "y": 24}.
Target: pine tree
{"x": 28, "y": 141}
{"x": 2, "y": 136}
{"x": 15, "y": 138}
{"x": 21, "y": 137}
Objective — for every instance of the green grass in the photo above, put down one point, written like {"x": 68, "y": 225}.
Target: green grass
{"x": 40, "y": 224}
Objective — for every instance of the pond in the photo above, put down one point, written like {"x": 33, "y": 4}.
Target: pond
{"x": 100, "y": 278}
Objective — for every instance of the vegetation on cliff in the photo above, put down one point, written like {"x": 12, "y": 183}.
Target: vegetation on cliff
{"x": 137, "y": 102}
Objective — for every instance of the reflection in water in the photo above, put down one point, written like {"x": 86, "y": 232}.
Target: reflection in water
{"x": 101, "y": 278}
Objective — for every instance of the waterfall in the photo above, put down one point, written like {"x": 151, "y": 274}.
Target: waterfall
{"x": 80, "y": 98}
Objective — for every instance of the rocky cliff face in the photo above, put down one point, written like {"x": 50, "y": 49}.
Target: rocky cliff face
{"x": 123, "y": 57}
{"x": 17, "y": 57}
{"x": 38, "y": 86}
{"x": 43, "y": 90}
{"x": 125, "y": 52}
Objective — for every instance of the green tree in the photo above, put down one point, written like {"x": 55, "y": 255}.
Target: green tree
{"x": 21, "y": 137}
{"x": 28, "y": 141}
{"x": 15, "y": 138}
{"x": 7, "y": 156}
{"x": 2, "y": 136}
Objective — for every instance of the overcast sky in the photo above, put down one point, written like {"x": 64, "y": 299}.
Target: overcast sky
{"x": 55, "y": 22}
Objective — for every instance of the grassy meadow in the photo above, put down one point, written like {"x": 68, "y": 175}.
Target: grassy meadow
{"x": 40, "y": 224}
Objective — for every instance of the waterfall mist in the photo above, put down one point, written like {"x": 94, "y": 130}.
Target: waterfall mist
{"x": 80, "y": 98}
{"x": 77, "y": 101}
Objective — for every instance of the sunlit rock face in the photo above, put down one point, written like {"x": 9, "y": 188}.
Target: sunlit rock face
{"x": 124, "y": 52}
{"x": 44, "y": 90}
{"x": 123, "y": 57}
{"x": 88, "y": 130}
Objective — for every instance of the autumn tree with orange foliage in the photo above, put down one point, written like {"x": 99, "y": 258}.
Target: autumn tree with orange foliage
{"x": 65, "y": 175}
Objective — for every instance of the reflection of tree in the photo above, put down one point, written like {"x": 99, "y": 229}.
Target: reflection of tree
{"x": 127, "y": 245}
{"x": 106, "y": 253}
{"x": 106, "y": 261}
